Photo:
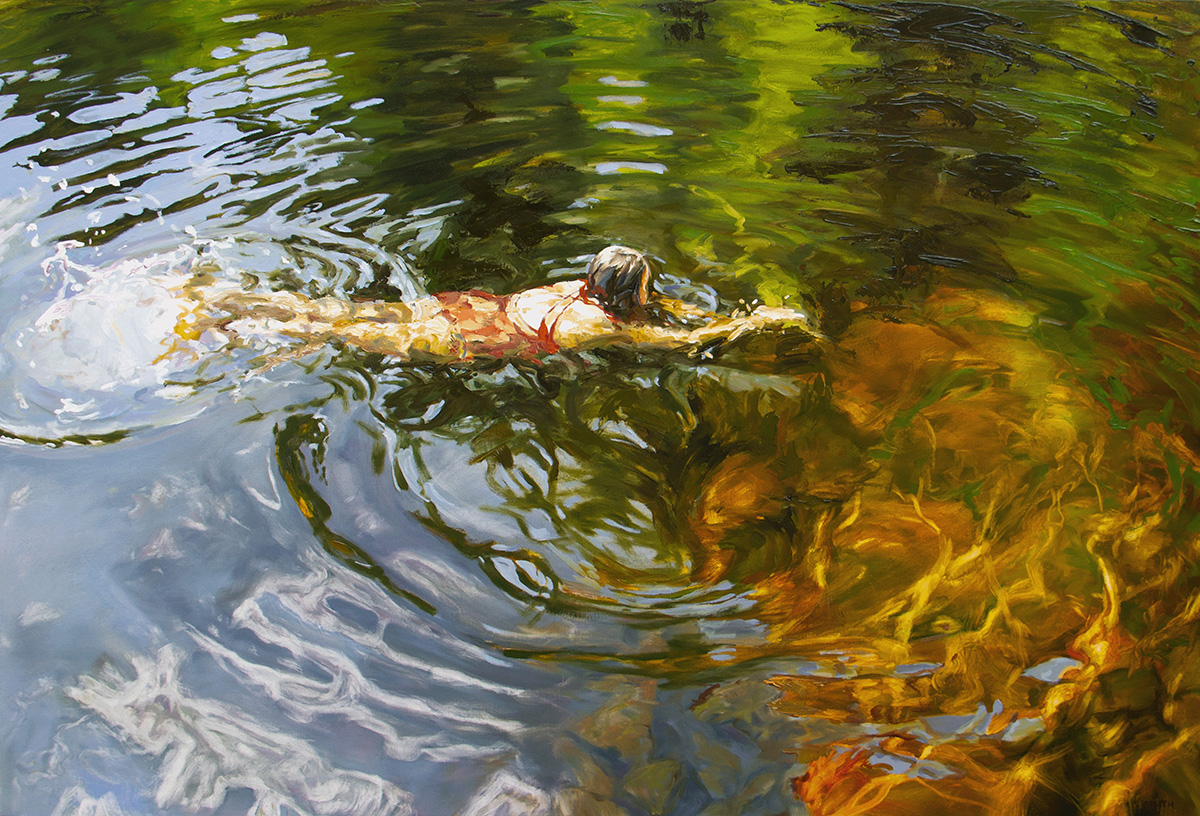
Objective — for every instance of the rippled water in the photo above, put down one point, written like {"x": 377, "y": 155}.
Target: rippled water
{"x": 944, "y": 561}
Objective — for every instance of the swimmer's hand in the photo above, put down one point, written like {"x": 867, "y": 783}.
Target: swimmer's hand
{"x": 765, "y": 318}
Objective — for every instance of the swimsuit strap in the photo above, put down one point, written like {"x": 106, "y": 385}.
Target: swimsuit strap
{"x": 546, "y": 333}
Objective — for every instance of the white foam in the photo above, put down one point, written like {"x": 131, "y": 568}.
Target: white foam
{"x": 116, "y": 325}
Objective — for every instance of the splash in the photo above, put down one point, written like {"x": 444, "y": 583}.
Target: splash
{"x": 105, "y": 355}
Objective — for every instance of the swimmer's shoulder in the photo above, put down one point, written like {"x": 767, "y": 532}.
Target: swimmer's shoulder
{"x": 559, "y": 312}
{"x": 544, "y": 298}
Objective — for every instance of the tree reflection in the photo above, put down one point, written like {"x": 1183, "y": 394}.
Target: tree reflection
{"x": 300, "y": 452}
{"x": 644, "y": 489}
{"x": 935, "y": 148}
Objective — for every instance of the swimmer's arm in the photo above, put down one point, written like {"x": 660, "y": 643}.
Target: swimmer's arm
{"x": 721, "y": 328}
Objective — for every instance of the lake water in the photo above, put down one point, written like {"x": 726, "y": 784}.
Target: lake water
{"x": 943, "y": 561}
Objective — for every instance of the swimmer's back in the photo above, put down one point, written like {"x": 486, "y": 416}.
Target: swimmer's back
{"x": 537, "y": 321}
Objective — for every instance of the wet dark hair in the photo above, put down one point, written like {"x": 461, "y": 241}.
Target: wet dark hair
{"x": 619, "y": 278}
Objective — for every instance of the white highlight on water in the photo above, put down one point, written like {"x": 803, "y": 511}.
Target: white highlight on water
{"x": 507, "y": 793}
{"x": 38, "y": 612}
{"x": 75, "y": 801}
{"x": 613, "y": 82}
{"x": 614, "y": 167}
{"x": 636, "y": 128}
{"x": 208, "y": 748}
{"x": 318, "y": 667}
{"x": 629, "y": 100}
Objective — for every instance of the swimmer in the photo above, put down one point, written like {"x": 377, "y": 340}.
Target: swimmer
{"x": 612, "y": 306}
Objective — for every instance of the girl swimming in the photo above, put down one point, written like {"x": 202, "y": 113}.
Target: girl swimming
{"x": 614, "y": 305}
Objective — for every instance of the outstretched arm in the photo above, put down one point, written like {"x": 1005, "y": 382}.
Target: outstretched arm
{"x": 762, "y": 318}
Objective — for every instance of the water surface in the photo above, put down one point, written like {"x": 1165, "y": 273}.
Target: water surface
{"x": 943, "y": 561}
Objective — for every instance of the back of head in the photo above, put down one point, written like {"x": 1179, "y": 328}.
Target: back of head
{"x": 619, "y": 278}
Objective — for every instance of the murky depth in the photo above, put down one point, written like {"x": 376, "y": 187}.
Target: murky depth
{"x": 942, "y": 560}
